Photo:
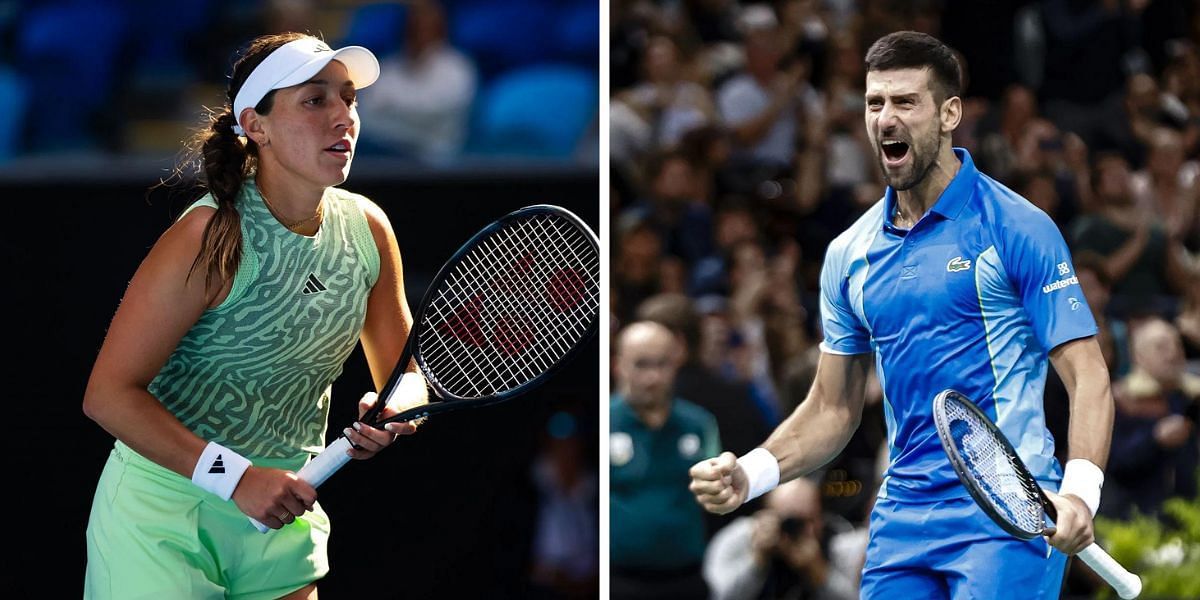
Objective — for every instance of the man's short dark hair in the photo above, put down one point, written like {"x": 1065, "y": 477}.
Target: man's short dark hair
{"x": 915, "y": 50}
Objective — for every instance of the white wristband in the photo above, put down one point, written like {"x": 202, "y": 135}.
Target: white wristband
{"x": 1083, "y": 478}
{"x": 762, "y": 470}
{"x": 219, "y": 470}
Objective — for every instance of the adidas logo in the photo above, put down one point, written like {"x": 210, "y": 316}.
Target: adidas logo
{"x": 218, "y": 466}
{"x": 313, "y": 285}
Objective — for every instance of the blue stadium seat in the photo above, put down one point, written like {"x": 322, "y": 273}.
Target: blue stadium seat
{"x": 577, "y": 34}
{"x": 67, "y": 52}
{"x": 539, "y": 111}
{"x": 378, "y": 26}
{"x": 503, "y": 35}
{"x": 14, "y": 99}
{"x": 164, "y": 30}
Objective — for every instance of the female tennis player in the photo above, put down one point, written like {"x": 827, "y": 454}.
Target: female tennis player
{"x": 215, "y": 373}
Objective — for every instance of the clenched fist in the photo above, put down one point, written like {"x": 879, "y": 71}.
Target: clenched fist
{"x": 720, "y": 484}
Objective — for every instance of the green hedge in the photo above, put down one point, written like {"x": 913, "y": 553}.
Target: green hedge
{"x": 1166, "y": 553}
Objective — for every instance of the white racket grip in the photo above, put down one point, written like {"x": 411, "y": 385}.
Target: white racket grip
{"x": 320, "y": 468}
{"x": 1126, "y": 584}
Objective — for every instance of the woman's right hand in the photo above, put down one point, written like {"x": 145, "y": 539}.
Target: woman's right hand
{"x": 273, "y": 497}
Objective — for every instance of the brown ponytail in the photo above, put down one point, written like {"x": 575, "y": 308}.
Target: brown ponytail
{"x": 225, "y": 161}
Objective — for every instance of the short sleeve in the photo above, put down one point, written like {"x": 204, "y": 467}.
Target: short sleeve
{"x": 844, "y": 332}
{"x": 1039, "y": 267}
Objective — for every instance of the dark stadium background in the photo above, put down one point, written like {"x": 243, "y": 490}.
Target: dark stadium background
{"x": 96, "y": 97}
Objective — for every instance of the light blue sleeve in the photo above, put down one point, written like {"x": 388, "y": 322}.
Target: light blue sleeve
{"x": 1039, "y": 266}
{"x": 844, "y": 332}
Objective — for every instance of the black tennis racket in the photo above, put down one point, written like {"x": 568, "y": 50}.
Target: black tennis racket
{"x": 514, "y": 304}
{"x": 1004, "y": 488}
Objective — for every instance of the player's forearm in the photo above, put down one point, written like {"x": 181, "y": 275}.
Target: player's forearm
{"x": 822, "y": 425}
{"x": 138, "y": 419}
{"x": 1091, "y": 424}
{"x": 811, "y": 436}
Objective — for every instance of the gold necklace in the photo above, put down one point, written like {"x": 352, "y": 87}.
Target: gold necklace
{"x": 292, "y": 226}
{"x": 900, "y": 218}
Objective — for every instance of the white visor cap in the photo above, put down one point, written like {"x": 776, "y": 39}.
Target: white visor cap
{"x": 296, "y": 62}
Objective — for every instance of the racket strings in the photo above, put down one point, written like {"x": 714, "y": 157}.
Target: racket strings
{"x": 458, "y": 288}
{"x": 477, "y": 268}
{"x": 530, "y": 291}
{"x": 515, "y": 303}
{"x": 999, "y": 473}
{"x": 504, "y": 315}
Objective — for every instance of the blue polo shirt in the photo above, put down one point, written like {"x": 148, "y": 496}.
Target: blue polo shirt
{"x": 973, "y": 298}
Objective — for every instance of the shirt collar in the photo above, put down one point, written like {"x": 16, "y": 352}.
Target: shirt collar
{"x": 953, "y": 198}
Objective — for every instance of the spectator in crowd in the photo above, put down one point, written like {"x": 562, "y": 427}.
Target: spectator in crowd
{"x": 1155, "y": 453}
{"x": 640, "y": 269}
{"x": 656, "y": 530}
{"x": 1188, "y": 323}
{"x": 784, "y": 551}
{"x": 1000, "y": 150}
{"x": 708, "y": 21}
{"x": 708, "y": 149}
{"x": 740, "y": 422}
{"x": 1181, "y": 83}
{"x": 1088, "y": 45}
{"x": 420, "y": 105}
{"x": 683, "y": 222}
{"x": 1169, "y": 186}
{"x": 566, "y": 546}
{"x": 1146, "y": 109}
{"x": 850, "y": 163}
{"x": 763, "y": 106}
{"x": 1142, "y": 261}
{"x": 669, "y": 104}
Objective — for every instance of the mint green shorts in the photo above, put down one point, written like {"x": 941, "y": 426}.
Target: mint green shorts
{"x": 154, "y": 534}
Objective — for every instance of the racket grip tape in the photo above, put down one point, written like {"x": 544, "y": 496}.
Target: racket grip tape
{"x": 320, "y": 468}
{"x": 1126, "y": 584}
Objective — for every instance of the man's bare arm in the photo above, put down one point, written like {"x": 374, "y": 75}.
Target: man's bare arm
{"x": 1080, "y": 365}
{"x": 822, "y": 425}
{"x": 812, "y": 436}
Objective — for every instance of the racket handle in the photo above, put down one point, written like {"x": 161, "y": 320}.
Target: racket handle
{"x": 320, "y": 468}
{"x": 1125, "y": 583}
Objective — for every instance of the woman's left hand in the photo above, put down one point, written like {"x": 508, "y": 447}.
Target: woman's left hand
{"x": 368, "y": 440}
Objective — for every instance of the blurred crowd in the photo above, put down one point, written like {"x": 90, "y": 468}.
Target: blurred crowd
{"x": 738, "y": 151}
{"x": 460, "y": 78}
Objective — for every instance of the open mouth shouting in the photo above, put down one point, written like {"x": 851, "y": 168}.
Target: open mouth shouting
{"x": 895, "y": 153}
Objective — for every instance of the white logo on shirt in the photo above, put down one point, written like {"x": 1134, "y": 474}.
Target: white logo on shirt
{"x": 689, "y": 445}
{"x": 1060, "y": 284}
{"x": 1075, "y": 303}
{"x": 620, "y": 448}
{"x": 1063, "y": 268}
{"x": 958, "y": 264}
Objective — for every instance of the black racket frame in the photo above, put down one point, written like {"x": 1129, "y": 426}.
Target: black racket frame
{"x": 967, "y": 477}
{"x": 450, "y": 402}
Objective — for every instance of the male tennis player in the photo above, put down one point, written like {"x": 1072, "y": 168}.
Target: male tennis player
{"x": 951, "y": 281}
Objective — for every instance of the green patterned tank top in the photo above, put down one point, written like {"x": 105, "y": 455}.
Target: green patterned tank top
{"x": 254, "y": 373}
